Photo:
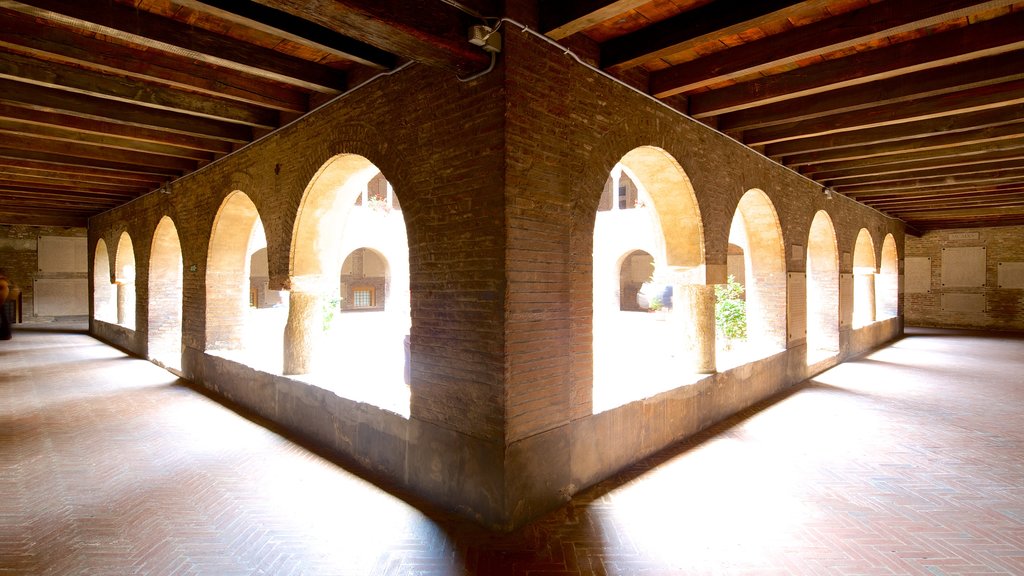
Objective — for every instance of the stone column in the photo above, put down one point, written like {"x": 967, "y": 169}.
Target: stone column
{"x": 694, "y": 309}
{"x": 303, "y": 332}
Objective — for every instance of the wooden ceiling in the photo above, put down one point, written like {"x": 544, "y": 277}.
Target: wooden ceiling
{"x": 913, "y": 107}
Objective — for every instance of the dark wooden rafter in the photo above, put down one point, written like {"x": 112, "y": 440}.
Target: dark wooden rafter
{"x": 826, "y": 79}
{"x": 966, "y": 154}
{"x": 990, "y": 167}
{"x": 862, "y": 26}
{"x": 10, "y": 173}
{"x": 427, "y": 31}
{"x": 284, "y": 25}
{"x": 564, "y": 18}
{"x": 939, "y": 162}
{"x": 79, "y": 150}
{"x": 693, "y": 28}
{"x": 1008, "y": 175}
{"x": 11, "y": 127}
{"x": 70, "y": 161}
{"x": 185, "y": 41}
{"x": 54, "y": 43}
{"x": 948, "y": 104}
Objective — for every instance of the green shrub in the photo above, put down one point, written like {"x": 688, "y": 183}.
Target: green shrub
{"x": 731, "y": 310}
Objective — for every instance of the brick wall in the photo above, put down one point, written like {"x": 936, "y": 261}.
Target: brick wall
{"x": 1003, "y": 307}
{"x": 19, "y": 257}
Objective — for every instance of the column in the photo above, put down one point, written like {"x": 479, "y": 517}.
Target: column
{"x": 693, "y": 308}
{"x": 303, "y": 331}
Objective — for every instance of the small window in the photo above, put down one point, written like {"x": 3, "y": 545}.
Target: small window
{"x": 363, "y": 297}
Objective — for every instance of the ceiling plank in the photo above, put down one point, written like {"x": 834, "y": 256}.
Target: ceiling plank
{"x": 977, "y": 159}
{"x": 60, "y": 159}
{"x": 963, "y": 102}
{"x": 979, "y": 40}
{"x": 81, "y": 172}
{"x": 20, "y": 173}
{"x": 871, "y": 23}
{"x": 155, "y": 32}
{"x": 1014, "y": 174}
{"x": 935, "y": 157}
{"x": 692, "y": 28}
{"x": 426, "y": 31}
{"x": 54, "y": 100}
{"x": 1006, "y": 122}
{"x": 86, "y": 151}
{"x": 11, "y": 127}
{"x": 287, "y": 26}
{"x": 84, "y": 190}
{"x": 908, "y": 88}
{"x": 111, "y": 87}
{"x": 54, "y": 43}
{"x": 959, "y": 170}
{"x": 36, "y": 219}
{"x": 566, "y": 17}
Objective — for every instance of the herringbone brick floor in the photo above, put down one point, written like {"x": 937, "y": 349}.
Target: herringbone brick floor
{"x": 909, "y": 461}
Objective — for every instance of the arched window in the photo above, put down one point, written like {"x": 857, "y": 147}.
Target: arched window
{"x": 887, "y": 282}
{"x": 863, "y": 280}
{"x": 165, "y": 295}
{"x": 124, "y": 276}
{"x": 104, "y": 293}
{"x": 822, "y": 290}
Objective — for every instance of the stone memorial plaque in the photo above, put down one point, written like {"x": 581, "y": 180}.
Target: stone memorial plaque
{"x": 963, "y": 303}
{"x": 845, "y": 299}
{"x": 1011, "y": 275}
{"x": 963, "y": 267}
{"x": 796, "y": 295}
{"x": 61, "y": 296}
{"x": 60, "y": 254}
{"x": 917, "y": 275}
{"x": 796, "y": 253}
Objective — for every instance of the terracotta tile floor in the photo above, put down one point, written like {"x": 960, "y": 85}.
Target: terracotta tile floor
{"x": 909, "y": 461}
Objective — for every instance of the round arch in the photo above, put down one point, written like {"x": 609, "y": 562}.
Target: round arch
{"x": 124, "y": 277}
{"x": 863, "y": 279}
{"x": 887, "y": 282}
{"x": 104, "y": 293}
{"x": 227, "y": 271}
{"x": 822, "y": 289}
{"x": 165, "y": 295}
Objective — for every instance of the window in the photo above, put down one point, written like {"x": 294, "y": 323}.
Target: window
{"x": 362, "y": 297}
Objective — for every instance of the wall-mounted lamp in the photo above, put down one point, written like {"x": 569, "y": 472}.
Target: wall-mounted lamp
{"x": 827, "y": 192}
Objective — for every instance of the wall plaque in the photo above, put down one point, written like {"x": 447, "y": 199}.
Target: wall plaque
{"x": 796, "y": 253}
{"x": 963, "y": 302}
{"x": 796, "y": 296}
{"x": 1011, "y": 275}
{"x": 61, "y": 296}
{"x": 59, "y": 254}
{"x": 963, "y": 267}
{"x": 845, "y": 299}
{"x": 917, "y": 277}
{"x": 964, "y": 235}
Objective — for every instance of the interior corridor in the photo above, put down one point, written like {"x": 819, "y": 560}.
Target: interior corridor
{"x": 907, "y": 461}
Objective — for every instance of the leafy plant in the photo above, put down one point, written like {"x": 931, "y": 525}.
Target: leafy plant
{"x": 330, "y": 306}
{"x": 731, "y": 310}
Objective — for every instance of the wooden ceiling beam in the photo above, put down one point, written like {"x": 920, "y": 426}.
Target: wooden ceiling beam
{"x": 427, "y": 31}
{"x": 99, "y": 127}
{"x": 86, "y": 151}
{"x": 1000, "y": 123}
{"x": 994, "y": 165}
{"x": 564, "y": 18}
{"x": 8, "y": 216}
{"x": 294, "y": 29}
{"x": 53, "y": 100}
{"x": 1017, "y": 196}
{"x": 54, "y": 43}
{"x": 14, "y": 176}
{"x": 952, "y": 188}
{"x": 971, "y": 153}
{"x": 158, "y": 33}
{"x": 968, "y": 213}
{"x": 62, "y": 159}
{"x": 66, "y": 202}
{"x": 12, "y": 127}
{"x": 904, "y": 89}
{"x": 82, "y": 190}
{"x": 1004, "y": 176}
{"x": 693, "y": 28}
{"x": 953, "y": 103}
{"x": 118, "y": 89}
{"x": 968, "y": 43}
{"x": 79, "y": 172}
{"x": 886, "y": 170}
{"x": 871, "y": 23}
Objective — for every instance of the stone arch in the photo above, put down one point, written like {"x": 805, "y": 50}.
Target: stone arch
{"x": 863, "y": 279}
{"x": 634, "y": 268}
{"x": 237, "y": 233}
{"x": 124, "y": 277}
{"x": 822, "y": 289}
{"x": 349, "y": 205}
{"x": 166, "y": 281}
{"x": 365, "y": 280}
{"x": 104, "y": 293}
{"x": 757, "y": 232}
{"x": 887, "y": 282}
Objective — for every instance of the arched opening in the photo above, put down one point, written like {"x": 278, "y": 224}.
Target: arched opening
{"x": 350, "y": 268}
{"x": 235, "y": 326}
{"x": 751, "y": 308}
{"x": 647, "y": 244}
{"x": 822, "y": 290}
{"x": 863, "y": 280}
{"x": 165, "y": 295}
{"x": 887, "y": 282}
{"x": 635, "y": 270}
{"x": 124, "y": 277}
{"x": 104, "y": 293}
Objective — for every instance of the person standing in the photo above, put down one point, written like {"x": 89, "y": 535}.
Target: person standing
{"x": 5, "y": 322}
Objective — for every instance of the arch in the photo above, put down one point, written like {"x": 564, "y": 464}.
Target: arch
{"x": 231, "y": 323}
{"x": 758, "y": 263}
{"x": 635, "y": 268}
{"x": 887, "y": 282}
{"x": 822, "y": 289}
{"x": 165, "y": 295}
{"x": 674, "y": 202}
{"x": 104, "y": 293}
{"x": 124, "y": 277}
{"x": 863, "y": 279}
{"x": 349, "y": 209}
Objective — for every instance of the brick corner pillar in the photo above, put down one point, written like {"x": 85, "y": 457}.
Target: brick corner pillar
{"x": 694, "y": 312}
{"x": 304, "y": 329}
